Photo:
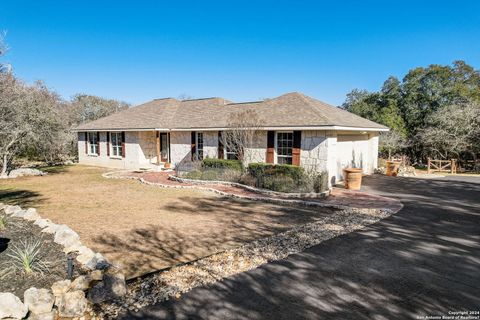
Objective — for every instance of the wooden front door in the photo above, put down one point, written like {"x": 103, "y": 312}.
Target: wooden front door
{"x": 164, "y": 146}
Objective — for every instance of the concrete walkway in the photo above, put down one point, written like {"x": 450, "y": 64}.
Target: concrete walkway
{"x": 423, "y": 261}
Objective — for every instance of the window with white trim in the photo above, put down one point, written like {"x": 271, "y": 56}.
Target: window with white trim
{"x": 230, "y": 152}
{"x": 93, "y": 143}
{"x": 284, "y": 147}
{"x": 199, "y": 145}
{"x": 116, "y": 142}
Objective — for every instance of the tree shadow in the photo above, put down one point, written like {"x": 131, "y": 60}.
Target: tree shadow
{"x": 22, "y": 198}
{"x": 212, "y": 225}
{"x": 424, "y": 260}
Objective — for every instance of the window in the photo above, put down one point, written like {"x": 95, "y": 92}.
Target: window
{"x": 284, "y": 147}
{"x": 93, "y": 143}
{"x": 116, "y": 140}
{"x": 230, "y": 153}
{"x": 199, "y": 145}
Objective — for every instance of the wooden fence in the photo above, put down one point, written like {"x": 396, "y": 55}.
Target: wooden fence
{"x": 442, "y": 165}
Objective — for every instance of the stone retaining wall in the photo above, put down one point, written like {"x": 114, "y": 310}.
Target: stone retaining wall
{"x": 66, "y": 298}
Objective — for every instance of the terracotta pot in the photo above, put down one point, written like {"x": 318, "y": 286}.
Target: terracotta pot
{"x": 392, "y": 168}
{"x": 353, "y": 178}
{"x": 167, "y": 165}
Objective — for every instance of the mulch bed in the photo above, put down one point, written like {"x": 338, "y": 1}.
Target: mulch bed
{"x": 19, "y": 229}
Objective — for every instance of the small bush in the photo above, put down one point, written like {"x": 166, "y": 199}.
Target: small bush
{"x": 231, "y": 175}
{"x": 194, "y": 174}
{"x": 3, "y": 222}
{"x": 280, "y": 183}
{"x": 222, "y": 164}
{"x": 212, "y": 175}
{"x": 27, "y": 258}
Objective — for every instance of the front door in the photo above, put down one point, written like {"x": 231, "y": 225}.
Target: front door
{"x": 164, "y": 146}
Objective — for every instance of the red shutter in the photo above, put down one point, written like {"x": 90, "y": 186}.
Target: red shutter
{"x": 270, "y": 146}
{"x": 108, "y": 143}
{"x": 194, "y": 148}
{"x": 86, "y": 142}
{"x": 297, "y": 144}
{"x": 123, "y": 144}
{"x": 221, "y": 154}
{"x": 98, "y": 143}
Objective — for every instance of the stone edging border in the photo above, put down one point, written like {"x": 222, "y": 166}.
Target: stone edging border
{"x": 110, "y": 175}
{"x": 72, "y": 298}
{"x": 253, "y": 189}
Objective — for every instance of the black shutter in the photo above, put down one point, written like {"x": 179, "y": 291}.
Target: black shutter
{"x": 108, "y": 143}
{"x": 194, "y": 146}
{"x": 221, "y": 154}
{"x": 270, "y": 146}
{"x": 123, "y": 144}
{"x": 86, "y": 142}
{"x": 98, "y": 142}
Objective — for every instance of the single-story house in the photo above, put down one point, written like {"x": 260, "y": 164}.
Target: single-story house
{"x": 295, "y": 129}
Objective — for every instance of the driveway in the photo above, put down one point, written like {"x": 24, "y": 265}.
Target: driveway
{"x": 423, "y": 261}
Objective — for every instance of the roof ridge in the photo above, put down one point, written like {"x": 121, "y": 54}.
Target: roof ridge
{"x": 319, "y": 112}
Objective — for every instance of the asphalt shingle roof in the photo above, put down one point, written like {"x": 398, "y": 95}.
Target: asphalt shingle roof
{"x": 288, "y": 110}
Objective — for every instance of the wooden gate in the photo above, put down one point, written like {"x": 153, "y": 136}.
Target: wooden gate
{"x": 442, "y": 165}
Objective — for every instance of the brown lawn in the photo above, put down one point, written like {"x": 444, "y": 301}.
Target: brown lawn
{"x": 144, "y": 228}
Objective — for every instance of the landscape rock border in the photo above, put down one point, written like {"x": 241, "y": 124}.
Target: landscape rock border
{"x": 66, "y": 298}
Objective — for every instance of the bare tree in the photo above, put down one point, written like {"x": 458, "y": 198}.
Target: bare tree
{"x": 243, "y": 126}
{"x": 391, "y": 142}
{"x": 453, "y": 130}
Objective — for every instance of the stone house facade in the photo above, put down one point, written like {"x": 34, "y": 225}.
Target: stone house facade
{"x": 297, "y": 130}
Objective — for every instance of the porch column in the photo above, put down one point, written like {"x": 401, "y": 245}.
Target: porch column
{"x": 158, "y": 146}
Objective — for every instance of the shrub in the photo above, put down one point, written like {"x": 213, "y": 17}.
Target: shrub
{"x": 280, "y": 183}
{"x": 26, "y": 258}
{"x": 211, "y": 174}
{"x": 194, "y": 174}
{"x": 262, "y": 170}
{"x": 222, "y": 164}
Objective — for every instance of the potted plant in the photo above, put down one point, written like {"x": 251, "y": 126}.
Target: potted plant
{"x": 353, "y": 178}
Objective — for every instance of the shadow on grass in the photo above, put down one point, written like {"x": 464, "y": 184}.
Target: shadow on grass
{"x": 22, "y": 198}
{"x": 216, "y": 224}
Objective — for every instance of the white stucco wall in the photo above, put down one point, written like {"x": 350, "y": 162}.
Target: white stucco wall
{"x": 358, "y": 151}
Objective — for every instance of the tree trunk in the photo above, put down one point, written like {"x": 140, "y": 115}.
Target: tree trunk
{"x": 4, "y": 166}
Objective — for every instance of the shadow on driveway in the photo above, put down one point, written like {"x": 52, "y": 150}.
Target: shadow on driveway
{"x": 425, "y": 260}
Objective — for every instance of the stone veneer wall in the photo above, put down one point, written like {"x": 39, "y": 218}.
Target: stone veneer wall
{"x": 180, "y": 147}
{"x": 257, "y": 152}
{"x": 314, "y": 150}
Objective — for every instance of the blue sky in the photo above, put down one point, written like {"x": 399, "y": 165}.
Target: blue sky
{"x": 240, "y": 50}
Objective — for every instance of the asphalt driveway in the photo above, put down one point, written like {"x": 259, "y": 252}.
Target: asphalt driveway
{"x": 423, "y": 261}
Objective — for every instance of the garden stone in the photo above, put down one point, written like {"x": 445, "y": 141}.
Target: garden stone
{"x": 42, "y": 316}
{"x": 12, "y": 209}
{"x": 65, "y": 236}
{"x": 38, "y": 301}
{"x": 60, "y": 287}
{"x": 11, "y": 306}
{"x": 19, "y": 214}
{"x": 112, "y": 287}
{"x": 81, "y": 283}
{"x": 73, "y": 247}
{"x": 86, "y": 256}
{"x": 31, "y": 214}
{"x": 96, "y": 275}
{"x": 51, "y": 228}
{"x": 72, "y": 304}
{"x": 23, "y": 172}
{"x": 42, "y": 223}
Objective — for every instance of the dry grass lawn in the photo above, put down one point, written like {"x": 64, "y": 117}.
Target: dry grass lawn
{"x": 143, "y": 228}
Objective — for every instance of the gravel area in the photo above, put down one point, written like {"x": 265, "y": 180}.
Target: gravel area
{"x": 173, "y": 282}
